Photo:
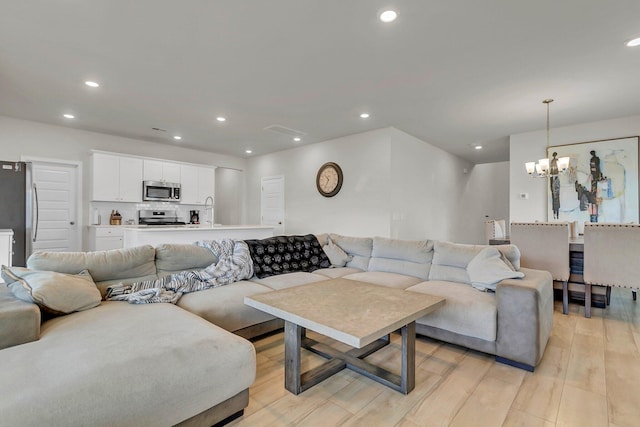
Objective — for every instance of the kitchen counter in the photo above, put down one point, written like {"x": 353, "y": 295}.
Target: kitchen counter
{"x": 137, "y": 235}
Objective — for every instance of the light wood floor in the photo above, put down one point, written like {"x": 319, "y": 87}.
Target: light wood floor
{"x": 589, "y": 376}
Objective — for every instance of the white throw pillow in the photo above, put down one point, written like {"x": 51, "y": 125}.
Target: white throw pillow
{"x": 488, "y": 268}
{"x": 55, "y": 293}
{"x": 337, "y": 256}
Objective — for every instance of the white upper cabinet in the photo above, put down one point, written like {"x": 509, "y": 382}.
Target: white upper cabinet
{"x": 189, "y": 184}
{"x": 206, "y": 183}
{"x": 116, "y": 178}
{"x": 156, "y": 170}
{"x": 197, "y": 184}
{"x": 130, "y": 179}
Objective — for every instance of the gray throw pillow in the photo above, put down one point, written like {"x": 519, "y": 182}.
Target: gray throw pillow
{"x": 55, "y": 293}
{"x": 337, "y": 256}
{"x": 488, "y": 268}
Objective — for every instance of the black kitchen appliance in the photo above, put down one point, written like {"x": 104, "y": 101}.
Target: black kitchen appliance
{"x": 19, "y": 207}
{"x": 194, "y": 217}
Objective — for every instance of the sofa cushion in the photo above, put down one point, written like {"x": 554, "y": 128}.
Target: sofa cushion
{"x": 335, "y": 272}
{"x": 224, "y": 306}
{"x": 358, "y": 247}
{"x": 102, "y": 265}
{"x": 488, "y": 268}
{"x": 123, "y": 364}
{"x": 20, "y": 320}
{"x": 450, "y": 260}
{"x": 466, "y": 311}
{"x": 409, "y": 257}
{"x": 391, "y": 280}
{"x": 171, "y": 258}
{"x": 55, "y": 293}
{"x": 286, "y": 254}
{"x": 289, "y": 280}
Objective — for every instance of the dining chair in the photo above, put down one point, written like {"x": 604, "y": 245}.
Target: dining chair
{"x": 494, "y": 229}
{"x": 545, "y": 246}
{"x": 611, "y": 257}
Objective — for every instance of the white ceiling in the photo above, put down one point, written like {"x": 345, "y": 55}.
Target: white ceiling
{"x": 453, "y": 73}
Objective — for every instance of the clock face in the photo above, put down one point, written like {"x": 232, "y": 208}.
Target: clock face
{"x": 329, "y": 179}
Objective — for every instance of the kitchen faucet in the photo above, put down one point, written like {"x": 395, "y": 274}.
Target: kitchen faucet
{"x": 206, "y": 202}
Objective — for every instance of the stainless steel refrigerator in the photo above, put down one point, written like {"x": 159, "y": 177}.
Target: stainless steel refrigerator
{"x": 18, "y": 207}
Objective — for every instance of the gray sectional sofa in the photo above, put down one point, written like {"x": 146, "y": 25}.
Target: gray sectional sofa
{"x": 163, "y": 364}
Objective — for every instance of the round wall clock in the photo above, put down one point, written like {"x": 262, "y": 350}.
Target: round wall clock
{"x": 329, "y": 179}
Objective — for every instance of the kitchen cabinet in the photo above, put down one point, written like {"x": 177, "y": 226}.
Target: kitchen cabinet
{"x": 116, "y": 178}
{"x": 156, "y": 170}
{"x": 198, "y": 183}
{"x": 105, "y": 238}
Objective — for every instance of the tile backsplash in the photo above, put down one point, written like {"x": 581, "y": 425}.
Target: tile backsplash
{"x": 129, "y": 211}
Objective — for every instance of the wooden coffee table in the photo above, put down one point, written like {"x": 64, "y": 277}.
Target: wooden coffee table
{"x": 358, "y": 314}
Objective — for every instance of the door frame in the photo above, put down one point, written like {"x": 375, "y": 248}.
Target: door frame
{"x": 79, "y": 196}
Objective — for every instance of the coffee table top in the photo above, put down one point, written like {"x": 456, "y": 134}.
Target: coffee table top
{"x": 352, "y": 312}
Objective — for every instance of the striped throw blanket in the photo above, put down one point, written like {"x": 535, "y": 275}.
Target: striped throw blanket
{"x": 234, "y": 264}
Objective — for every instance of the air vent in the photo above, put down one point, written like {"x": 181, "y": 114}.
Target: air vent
{"x": 159, "y": 130}
{"x": 284, "y": 130}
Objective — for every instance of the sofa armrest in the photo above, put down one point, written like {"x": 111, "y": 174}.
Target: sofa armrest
{"x": 19, "y": 320}
{"x": 525, "y": 316}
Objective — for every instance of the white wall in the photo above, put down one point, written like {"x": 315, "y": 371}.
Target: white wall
{"x": 26, "y": 138}
{"x": 427, "y": 190}
{"x": 532, "y": 146}
{"x": 486, "y": 196}
{"x": 395, "y": 185}
{"x": 361, "y": 208}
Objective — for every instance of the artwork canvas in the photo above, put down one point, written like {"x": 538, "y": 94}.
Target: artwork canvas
{"x": 601, "y": 184}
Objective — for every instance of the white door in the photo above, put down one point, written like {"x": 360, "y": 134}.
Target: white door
{"x": 272, "y": 203}
{"x": 56, "y": 218}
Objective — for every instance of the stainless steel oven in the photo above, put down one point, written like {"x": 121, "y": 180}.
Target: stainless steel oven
{"x": 158, "y": 191}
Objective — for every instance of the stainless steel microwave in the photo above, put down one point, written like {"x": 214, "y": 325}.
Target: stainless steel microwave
{"x": 158, "y": 191}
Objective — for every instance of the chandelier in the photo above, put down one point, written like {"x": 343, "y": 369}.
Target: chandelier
{"x": 544, "y": 168}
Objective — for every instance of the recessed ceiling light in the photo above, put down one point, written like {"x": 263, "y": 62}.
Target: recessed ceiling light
{"x": 297, "y": 139}
{"x": 388, "y": 16}
{"x": 248, "y": 151}
{"x": 221, "y": 119}
{"x": 178, "y": 137}
{"x": 92, "y": 84}
{"x": 364, "y": 116}
{"x": 68, "y": 116}
{"x": 478, "y": 147}
{"x": 633, "y": 43}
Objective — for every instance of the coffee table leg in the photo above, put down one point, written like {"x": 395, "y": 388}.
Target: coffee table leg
{"x": 292, "y": 342}
{"x": 408, "y": 379}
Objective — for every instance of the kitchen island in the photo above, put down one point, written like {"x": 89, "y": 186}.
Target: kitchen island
{"x": 154, "y": 236}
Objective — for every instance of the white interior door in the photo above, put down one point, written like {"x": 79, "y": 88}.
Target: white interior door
{"x": 55, "y": 217}
{"x": 272, "y": 203}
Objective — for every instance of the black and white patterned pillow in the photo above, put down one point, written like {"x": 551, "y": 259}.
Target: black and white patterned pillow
{"x": 286, "y": 254}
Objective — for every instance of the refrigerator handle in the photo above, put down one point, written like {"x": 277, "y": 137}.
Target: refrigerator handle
{"x": 35, "y": 229}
